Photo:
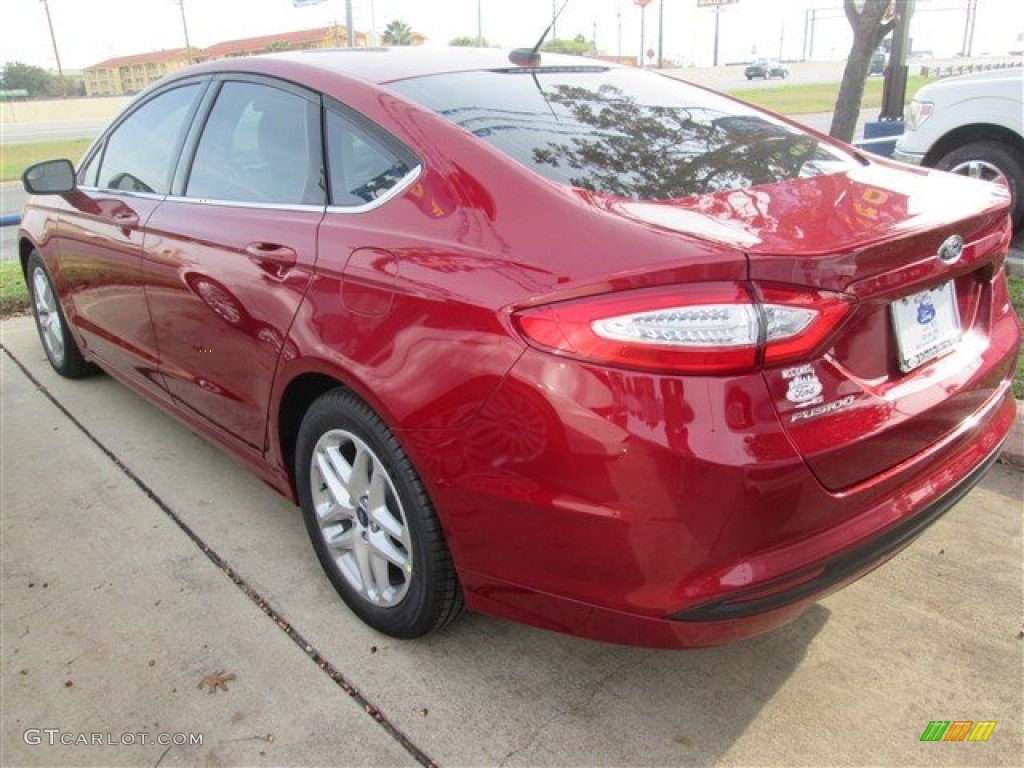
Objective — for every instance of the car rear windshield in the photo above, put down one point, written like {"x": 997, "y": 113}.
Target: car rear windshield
{"x": 623, "y": 132}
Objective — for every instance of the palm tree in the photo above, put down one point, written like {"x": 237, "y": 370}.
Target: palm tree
{"x": 397, "y": 33}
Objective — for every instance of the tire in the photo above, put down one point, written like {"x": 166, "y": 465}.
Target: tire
{"x": 61, "y": 349}
{"x": 375, "y": 532}
{"x": 990, "y": 160}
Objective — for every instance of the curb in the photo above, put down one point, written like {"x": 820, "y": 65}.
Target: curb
{"x": 1013, "y": 450}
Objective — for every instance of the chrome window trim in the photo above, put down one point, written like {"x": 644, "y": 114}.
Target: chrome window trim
{"x": 244, "y": 204}
{"x": 124, "y": 193}
{"x": 406, "y": 181}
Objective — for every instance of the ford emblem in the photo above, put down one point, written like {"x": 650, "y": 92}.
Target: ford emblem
{"x": 951, "y": 250}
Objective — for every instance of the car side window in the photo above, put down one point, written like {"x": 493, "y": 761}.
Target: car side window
{"x": 364, "y": 164}
{"x": 139, "y": 155}
{"x": 87, "y": 174}
{"x": 260, "y": 145}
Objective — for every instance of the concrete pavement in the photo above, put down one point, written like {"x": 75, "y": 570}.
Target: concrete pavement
{"x": 119, "y": 515}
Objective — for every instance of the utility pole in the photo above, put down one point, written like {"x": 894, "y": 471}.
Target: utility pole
{"x": 810, "y": 47}
{"x": 53, "y": 37}
{"x": 782, "y": 37}
{"x": 184, "y": 26}
{"x": 661, "y": 33}
{"x": 554, "y": 18}
{"x": 972, "y": 14}
{"x": 348, "y": 24}
{"x": 618, "y": 13}
{"x": 479, "y": 26}
{"x": 643, "y": 17}
{"x": 894, "y": 88}
{"x": 718, "y": 15}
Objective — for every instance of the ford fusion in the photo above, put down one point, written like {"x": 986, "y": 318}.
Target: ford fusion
{"x": 573, "y": 344}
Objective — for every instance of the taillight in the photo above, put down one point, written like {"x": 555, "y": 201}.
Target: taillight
{"x": 700, "y": 328}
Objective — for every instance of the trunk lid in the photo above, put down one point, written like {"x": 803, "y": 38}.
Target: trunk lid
{"x": 874, "y": 233}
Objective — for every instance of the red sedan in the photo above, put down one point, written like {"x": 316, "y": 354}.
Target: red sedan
{"x": 570, "y": 343}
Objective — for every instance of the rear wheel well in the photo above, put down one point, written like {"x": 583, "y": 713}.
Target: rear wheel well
{"x": 300, "y": 393}
{"x": 967, "y": 134}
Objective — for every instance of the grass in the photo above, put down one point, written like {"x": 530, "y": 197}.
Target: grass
{"x": 1017, "y": 297}
{"x": 13, "y": 293}
{"x": 817, "y": 97}
{"x": 15, "y": 158}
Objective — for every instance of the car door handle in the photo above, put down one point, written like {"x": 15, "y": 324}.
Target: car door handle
{"x": 272, "y": 253}
{"x": 126, "y": 219}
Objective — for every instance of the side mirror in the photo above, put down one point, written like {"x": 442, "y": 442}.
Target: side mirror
{"x": 52, "y": 177}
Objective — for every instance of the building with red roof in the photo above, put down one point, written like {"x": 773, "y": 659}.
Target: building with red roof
{"x": 130, "y": 74}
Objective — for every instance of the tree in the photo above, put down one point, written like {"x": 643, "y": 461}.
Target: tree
{"x": 869, "y": 26}
{"x": 465, "y": 41}
{"x": 668, "y": 152}
{"x": 578, "y": 46}
{"x": 36, "y": 80}
{"x": 397, "y": 33}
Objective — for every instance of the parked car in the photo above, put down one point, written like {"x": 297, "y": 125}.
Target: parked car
{"x": 569, "y": 343}
{"x": 766, "y": 70}
{"x": 971, "y": 125}
{"x": 878, "y": 61}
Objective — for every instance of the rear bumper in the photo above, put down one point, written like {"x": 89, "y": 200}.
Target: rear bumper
{"x": 653, "y": 542}
{"x": 841, "y": 569}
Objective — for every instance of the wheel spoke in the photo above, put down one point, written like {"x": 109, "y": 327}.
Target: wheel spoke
{"x": 381, "y": 574}
{"x": 362, "y": 556}
{"x": 340, "y": 540}
{"x": 331, "y": 512}
{"x": 359, "y": 479}
{"x": 382, "y": 516}
{"x": 335, "y": 472}
{"x": 384, "y": 548}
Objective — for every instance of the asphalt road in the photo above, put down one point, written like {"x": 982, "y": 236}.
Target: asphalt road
{"x": 20, "y": 133}
{"x": 138, "y": 560}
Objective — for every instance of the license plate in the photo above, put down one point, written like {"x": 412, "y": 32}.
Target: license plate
{"x": 927, "y": 325}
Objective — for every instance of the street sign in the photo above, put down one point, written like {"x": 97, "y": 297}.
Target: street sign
{"x": 714, "y": 3}
{"x": 642, "y": 3}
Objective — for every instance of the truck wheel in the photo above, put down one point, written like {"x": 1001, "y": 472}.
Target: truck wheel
{"x": 991, "y": 161}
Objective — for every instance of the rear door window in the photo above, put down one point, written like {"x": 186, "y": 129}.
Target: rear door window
{"x": 260, "y": 144}
{"x": 140, "y": 153}
{"x": 624, "y": 132}
{"x": 364, "y": 162}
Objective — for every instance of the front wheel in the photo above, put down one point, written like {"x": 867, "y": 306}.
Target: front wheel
{"x": 991, "y": 161}
{"x": 61, "y": 350}
{"x": 372, "y": 525}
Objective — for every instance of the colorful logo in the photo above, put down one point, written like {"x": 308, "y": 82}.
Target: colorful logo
{"x": 925, "y": 312}
{"x": 958, "y": 730}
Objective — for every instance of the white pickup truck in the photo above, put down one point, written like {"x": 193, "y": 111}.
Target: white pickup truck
{"x": 971, "y": 125}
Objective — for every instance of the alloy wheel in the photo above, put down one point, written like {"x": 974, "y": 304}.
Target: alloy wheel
{"x": 360, "y": 518}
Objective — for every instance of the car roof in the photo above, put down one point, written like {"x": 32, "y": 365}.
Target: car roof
{"x": 385, "y": 65}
